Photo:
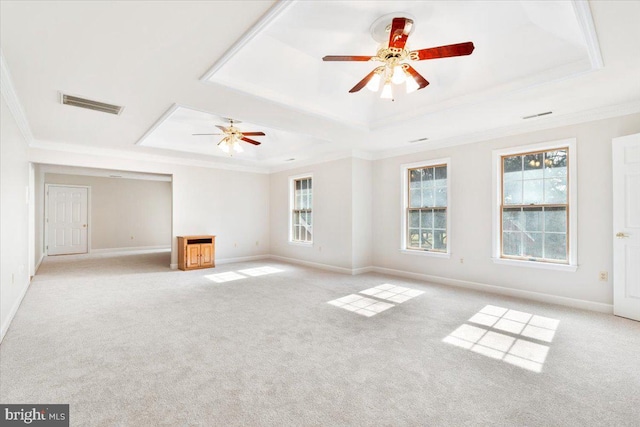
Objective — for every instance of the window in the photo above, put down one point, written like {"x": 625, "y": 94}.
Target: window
{"x": 301, "y": 213}
{"x": 425, "y": 215}
{"x": 535, "y": 204}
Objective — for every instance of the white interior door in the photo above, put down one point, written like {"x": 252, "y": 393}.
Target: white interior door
{"x": 66, "y": 220}
{"x": 626, "y": 226}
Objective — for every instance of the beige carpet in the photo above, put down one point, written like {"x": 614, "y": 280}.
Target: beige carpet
{"x": 128, "y": 342}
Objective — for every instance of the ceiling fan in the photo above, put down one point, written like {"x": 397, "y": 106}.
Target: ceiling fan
{"x": 394, "y": 53}
{"x": 232, "y": 137}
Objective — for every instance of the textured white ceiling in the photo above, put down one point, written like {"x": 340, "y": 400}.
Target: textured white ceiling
{"x": 517, "y": 45}
{"x": 175, "y": 132}
{"x": 530, "y": 57}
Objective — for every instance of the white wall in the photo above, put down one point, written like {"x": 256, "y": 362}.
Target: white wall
{"x": 342, "y": 220}
{"x": 38, "y": 190}
{"x": 332, "y": 215}
{"x": 124, "y": 213}
{"x": 471, "y": 210}
{"x": 362, "y": 203}
{"x": 14, "y": 214}
{"x": 233, "y": 205}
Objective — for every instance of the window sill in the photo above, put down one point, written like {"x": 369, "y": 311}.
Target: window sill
{"x": 426, "y": 253}
{"x": 535, "y": 264}
{"x": 307, "y": 244}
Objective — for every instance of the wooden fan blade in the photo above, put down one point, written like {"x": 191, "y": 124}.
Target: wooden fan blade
{"x": 254, "y": 133}
{"x": 422, "y": 82}
{"x": 447, "y": 51}
{"x": 400, "y": 29}
{"x": 346, "y": 58}
{"x": 196, "y": 134}
{"x": 222, "y": 128}
{"x": 250, "y": 141}
{"x": 362, "y": 83}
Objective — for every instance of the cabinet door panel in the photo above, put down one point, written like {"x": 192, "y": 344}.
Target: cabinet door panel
{"x": 206, "y": 254}
{"x": 193, "y": 256}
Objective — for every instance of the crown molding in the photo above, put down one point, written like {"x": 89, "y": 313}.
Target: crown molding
{"x": 328, "y": 157}
{"x": 585, "y": 20}
{"x": 537, "y": 125}
{"x": 277, "y": 9}
{"x": 542, "y": 123}
{"x": 13, "y": 102}
{"x": 103, "y": 173}
{"x": 129, "y": 155}
{"x": 157, "y": 123}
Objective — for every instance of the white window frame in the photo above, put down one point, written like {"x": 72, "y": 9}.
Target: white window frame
{"x": 404, "y": 176}
{"x": 572, "y": 228}
{"x": 292, "y": 180}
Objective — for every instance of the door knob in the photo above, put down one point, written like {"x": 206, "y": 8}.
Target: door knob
{"x": 621, "y": 235}
{"x": 84, "y": 225}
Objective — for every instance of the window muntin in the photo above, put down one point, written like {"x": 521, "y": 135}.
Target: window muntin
{"x": 426, "y": 212}
{"x": 302, "y": 216}
{"x": 534, "y": 211}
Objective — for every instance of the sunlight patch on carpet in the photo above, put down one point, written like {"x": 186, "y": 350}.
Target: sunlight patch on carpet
{"x": 397, "y": 294}
{"x": 260, "y": 271}
{"x": 506, "y": 335}
{"x": 363, "y": 306}
{"x": 251, "y": 272}
{"x": 372, "y": 306}
{"x": 225, "y": 277}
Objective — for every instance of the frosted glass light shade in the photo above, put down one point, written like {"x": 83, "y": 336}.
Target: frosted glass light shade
{"x": 412, "y": 86}
{"x": 223, "y": 145}
{"x": 386, "y": 91}
{"x": 399, "y": 75}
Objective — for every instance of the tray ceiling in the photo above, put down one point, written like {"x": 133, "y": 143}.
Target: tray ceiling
{"x": 175, "y": 132}
{"x": 265, "y": 68}
{"x": 519, "y": 44}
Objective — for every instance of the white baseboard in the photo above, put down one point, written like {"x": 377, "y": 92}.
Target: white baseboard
{"x": 327, "y": 267}
{"x": 231, "y": 260}
{"x": 4, "y": 328}
{"x": 131, "y": 249}
{"x": 35, "y": 270}
{"x": 362, "y": 270}
{"x": 531, "y": 295}
{"x": 536, "y": 296}
{"x": 241, "y": 259}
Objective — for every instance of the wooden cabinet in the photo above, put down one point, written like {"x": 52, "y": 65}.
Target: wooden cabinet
{"x": 196, "y": 252}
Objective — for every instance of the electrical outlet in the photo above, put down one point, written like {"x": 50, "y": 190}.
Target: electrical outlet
{"x": 603, "y": 276}
{"x": 461, "y": 260}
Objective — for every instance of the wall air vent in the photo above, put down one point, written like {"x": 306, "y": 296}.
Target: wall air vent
{"x": 91, "y": 105}
{"x": 537, "y": 115}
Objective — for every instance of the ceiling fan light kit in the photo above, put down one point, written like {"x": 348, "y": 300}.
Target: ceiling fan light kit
{"x": 394, "y": 70}
{"x": 228, "y": 145}
{"x": 394, "y": 54}
{"x": 233, "y": 136}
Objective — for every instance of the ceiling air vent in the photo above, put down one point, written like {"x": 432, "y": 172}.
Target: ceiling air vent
{"x": 537, "y": 115}
{"x": 91, "y": 105}
{"x": 413, "y": 141}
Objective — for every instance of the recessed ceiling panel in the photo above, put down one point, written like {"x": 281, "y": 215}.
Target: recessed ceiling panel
{"x": 518, "y": 44}
{"x": 176, "y": 132}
